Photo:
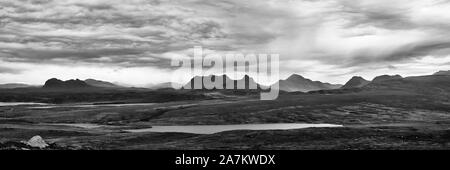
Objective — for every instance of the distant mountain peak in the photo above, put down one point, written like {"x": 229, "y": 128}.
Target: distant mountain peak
{"x": 442, "y": 73}
{"x": 358, "y": 77}
{"x": 246, "y": 79}
{"x": 430, "y": 84}
{"x": 165, "y": 85}
{"x": 56, "y": 83}
{"x": 295, "y": 76}
{"x": 100, "y": 83}
{"x": 14, "y": 85}
{"x": 355, "y": 82}
{"x": 297, "y": 82}
{"x": 386, "y": 77}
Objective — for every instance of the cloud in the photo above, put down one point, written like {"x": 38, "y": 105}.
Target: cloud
{"x": 8, "y": 70}
{"x": 343, "y": 36}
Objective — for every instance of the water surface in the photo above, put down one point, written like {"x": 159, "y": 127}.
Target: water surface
{"x": 79, "y": 125}
{"x": 19, "y": 103}
{"x": 91, "y": 105}
{"x": 210, "y": 129}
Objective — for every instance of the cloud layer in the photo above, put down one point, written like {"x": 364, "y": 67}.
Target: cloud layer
{"x": 328, "y": 40}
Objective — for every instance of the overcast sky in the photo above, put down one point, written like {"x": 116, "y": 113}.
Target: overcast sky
{"x": 131, "y": 41}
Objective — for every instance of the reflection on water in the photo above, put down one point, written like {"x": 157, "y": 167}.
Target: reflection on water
{"x": 19, "y": 103}
{"x": 210, "y": 129}
{"x": 91, "y": 105}
{"x": 79, "y": 125}
{"x": 50, "y": 106}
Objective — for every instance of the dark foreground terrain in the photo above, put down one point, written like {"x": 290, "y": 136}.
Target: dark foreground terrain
{"x": 371, "y": 120}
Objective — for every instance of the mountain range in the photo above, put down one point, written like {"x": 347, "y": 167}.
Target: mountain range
{"x": 433, "y": 85}
{"x": 245, "y": 82}
{"x": 14, "y": 85}
{"x": 442, "y": 73}
{"x": 385, "y": 78}
{"x": 69, "y": 84}
{"x": 99, "y": 83}
{"x": 164, "y": 85}
{"x": 294, "y": 83}
{"x": 359, "y": 82}
{"x": 76, "y": 83}
{"x": 355, "y": 82}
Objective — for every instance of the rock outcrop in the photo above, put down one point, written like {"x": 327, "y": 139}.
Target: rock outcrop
{"x": 37, "y": 142}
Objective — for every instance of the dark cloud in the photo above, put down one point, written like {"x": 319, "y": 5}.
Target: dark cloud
{"x": 389, "y": 16}
{"x": 406, "y": 52}
{"x": 119, "y": 57}
{"x": 383, "y": 17}
{"x": 418, "y": 50}
{"x": 105, "y": 24}
{"x": 30, "y": 55}
{"x": 391, "y": 67}
{"x": 8, "y": 70}
{"x": 95, "y": 7}
{"x": 332, "y": 34}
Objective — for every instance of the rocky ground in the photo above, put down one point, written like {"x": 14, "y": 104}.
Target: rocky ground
{"x": 37, "y": 143}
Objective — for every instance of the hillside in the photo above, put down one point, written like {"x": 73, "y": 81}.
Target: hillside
{"x": 297, "y": 83}
{"x": 99, "y": 83}
{"x": 432, "y": 85}
{"x": 355, "y": 82}
{"x": 69, "y": 84}
{"x": 14, "y": 85}
{"x": 245, "y": 82}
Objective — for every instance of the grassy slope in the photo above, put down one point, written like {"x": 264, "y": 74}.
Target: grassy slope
{"x": 127, "y": 95}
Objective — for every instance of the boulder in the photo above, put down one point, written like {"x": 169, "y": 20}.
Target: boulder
{"x": 37, "y": 142}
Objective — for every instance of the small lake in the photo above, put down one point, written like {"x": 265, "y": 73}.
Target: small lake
{"x": 78, "y": 125}
{"x": 90, "y": 105}
{"x": 19, "y": 103}
{"x": 210, "y": 129}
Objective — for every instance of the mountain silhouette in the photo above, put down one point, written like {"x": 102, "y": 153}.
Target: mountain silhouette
{"x": 442, "y": 73}
{"x": 299, "y": 83}
{"x": 386, "y": 77}
{"x": 14, "y": 85}
{"x": 355, "y": 82}
{"x": 69, "y": 84}
{"x": 244, "y": 83}
{"x": 165, "y": 85}
{"x": 99, "y": 83}
{"x": 431, "y": 85}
